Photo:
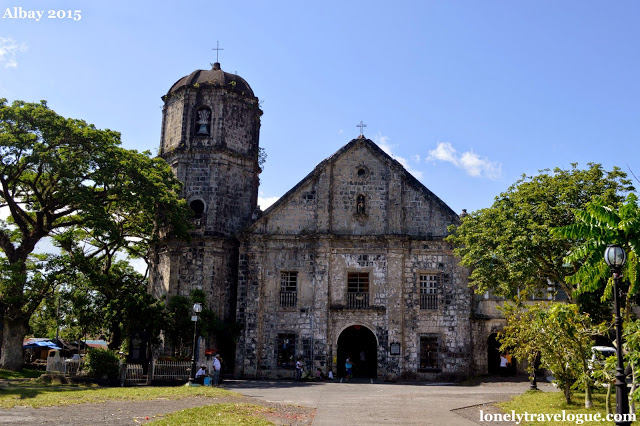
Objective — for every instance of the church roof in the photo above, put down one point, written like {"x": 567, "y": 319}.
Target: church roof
{"x": 216, "y": 78}
{"x": 376, "y": 149}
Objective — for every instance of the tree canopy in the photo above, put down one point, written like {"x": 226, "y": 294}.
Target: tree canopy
{"x": 509, "y": 247}
{"x": 557, "y": 334}
{"x": 596, "y": 226}
{"x": 65, "y": 179}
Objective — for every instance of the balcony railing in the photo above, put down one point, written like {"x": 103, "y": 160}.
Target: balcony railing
{"x": 428, "y": 301}
{"x": 358, "y": 300}
{"x": 288, "y": 298}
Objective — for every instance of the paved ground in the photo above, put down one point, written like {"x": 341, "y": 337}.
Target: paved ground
{"x": 364, "y": 403}
{"x": 334, "y": 403}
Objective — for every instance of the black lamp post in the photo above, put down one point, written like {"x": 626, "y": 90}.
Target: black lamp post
{"x": 534, "y": 380}
{"x": 197, "y": 308}
{"x": 615, "y": 257}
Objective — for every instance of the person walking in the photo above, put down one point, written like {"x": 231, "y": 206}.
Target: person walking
{"x": 217, "y": 366}
{"x": 299, "y": 369}
{"x": 349, "y": 367}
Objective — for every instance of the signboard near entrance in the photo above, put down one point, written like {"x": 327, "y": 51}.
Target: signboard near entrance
{"x": 394, "y": 348}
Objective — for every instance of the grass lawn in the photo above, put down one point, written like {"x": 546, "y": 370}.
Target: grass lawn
{"x": 538, "y": 402}
{"x": 23, "y": 374}
{"x": 34, "y": 394}
{"x": 218, "y": 414}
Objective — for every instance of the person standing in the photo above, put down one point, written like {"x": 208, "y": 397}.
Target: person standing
{"x": 510, "y": 366}
{"x": 217, "y": 366}
{"x": 349, "y": 367}
{"x": 299, "y": 369}
{"x": 503, "y": 365}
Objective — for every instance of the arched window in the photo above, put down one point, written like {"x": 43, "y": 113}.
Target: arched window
{"x": 203, "y": 121}
{"x": 361, "y": 207}
{"x": 197, "y": 206}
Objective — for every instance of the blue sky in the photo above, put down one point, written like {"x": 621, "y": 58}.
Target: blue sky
{"x": 468, "y": 95}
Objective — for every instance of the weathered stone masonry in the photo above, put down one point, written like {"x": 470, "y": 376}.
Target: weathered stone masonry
{"x": 350, "y": 262}
{"x": 316, "y": 230}
{"x": 210, "y": 137}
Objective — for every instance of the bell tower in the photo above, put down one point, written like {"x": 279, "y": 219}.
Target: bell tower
{"x": 210, "y": 138}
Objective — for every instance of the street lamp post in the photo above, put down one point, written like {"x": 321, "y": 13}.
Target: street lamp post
{"x": 615, "y": 257}
{"x": 197, "y": 308}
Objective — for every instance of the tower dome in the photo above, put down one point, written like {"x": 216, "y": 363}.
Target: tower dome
{"x": 215, "y": 77}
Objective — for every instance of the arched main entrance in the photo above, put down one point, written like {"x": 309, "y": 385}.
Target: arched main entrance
{"x": 360, "y": 344}
{"x": 493, "y": 357}
{"x": 493, "y": 354}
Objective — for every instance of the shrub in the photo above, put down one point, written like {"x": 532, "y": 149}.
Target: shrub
{"x": 52, "y": 378}
{"x": 100, "y": 363}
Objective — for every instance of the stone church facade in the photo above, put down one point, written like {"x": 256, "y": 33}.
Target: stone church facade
{"x": 351, "y": 262}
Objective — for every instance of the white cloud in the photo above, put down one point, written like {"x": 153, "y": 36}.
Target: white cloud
{"x": 444, "y": 152}
{"x": 468, "y": 161}
{"x": 8, "y": 50}
{"x": 265, "y": 202}
{"x": 383, "y": 143}
{"x": 341, "y": 131}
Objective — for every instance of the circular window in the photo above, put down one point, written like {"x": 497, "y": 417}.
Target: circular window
{"x": 362, "y": 172}
{"x": 197, "y": 206}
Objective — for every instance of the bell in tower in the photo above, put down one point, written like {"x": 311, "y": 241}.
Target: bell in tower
{"x": 203, "y": 122}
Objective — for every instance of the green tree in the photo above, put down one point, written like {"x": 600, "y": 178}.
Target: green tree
{"x": 521, "y": 336}
{"x": 508, "y": 246}
{"x": 632, "y": 357}
{"x": 604, "y": 374}
{"x": 179, "y": 312}
{"x": 64, "y": 178}
{"x": 560, "y": 334}
{"x": 597, "y": 225}
{"x": 179, "y": 327}
{"x": 115, "y": 305}
{"x": 130, "y": 308}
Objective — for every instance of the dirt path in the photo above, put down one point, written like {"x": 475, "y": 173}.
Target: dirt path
{"x": 138, "y": 412}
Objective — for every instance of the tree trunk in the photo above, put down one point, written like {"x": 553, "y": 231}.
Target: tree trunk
{"x": 116, "y": 338}
{"x": 632, "y": 407}
{"x": 587, "y": 384}
{"x": 13, "y": 334}
{"x": 608, "y": 399}
{"x": 567, "y": 391}
{"x": 587, "y": 396}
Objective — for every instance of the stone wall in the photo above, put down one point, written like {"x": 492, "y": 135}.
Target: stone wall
{"x": 219, "y": 168}
{"x": 207, "y": 264}
{"x": 322, "y": 311}
{"x": 325, "y": 201}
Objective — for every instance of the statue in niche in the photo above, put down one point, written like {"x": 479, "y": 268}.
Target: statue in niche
{"x": 360, "y": 205}
{"x": 203, "y": 121}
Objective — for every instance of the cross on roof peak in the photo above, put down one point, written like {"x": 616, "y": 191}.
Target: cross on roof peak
{"x": 362, "y": 126}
